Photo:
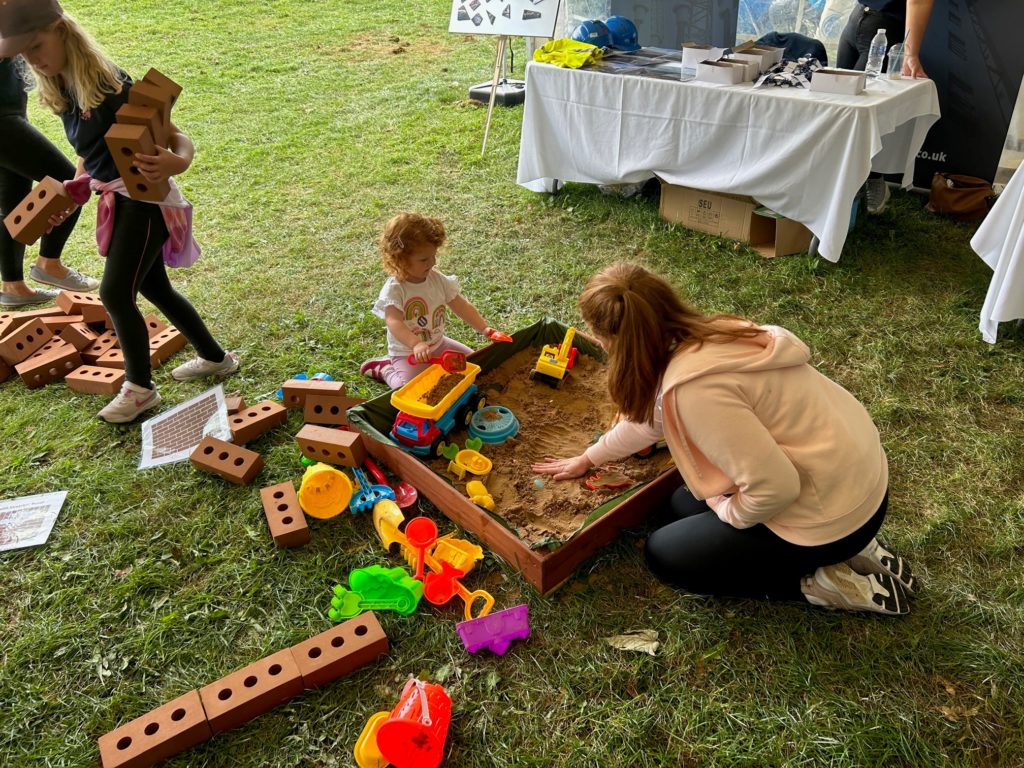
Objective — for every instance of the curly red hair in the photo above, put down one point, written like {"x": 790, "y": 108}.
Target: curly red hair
{"x": 402, "y": 235}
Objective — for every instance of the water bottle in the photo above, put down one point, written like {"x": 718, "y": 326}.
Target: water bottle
{"x": 879, "y": 46}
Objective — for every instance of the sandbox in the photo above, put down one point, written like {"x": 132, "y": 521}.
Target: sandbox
{"x": 543, "y": 528}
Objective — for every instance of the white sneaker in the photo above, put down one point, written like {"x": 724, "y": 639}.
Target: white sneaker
{"x": 130, "y": 403}
{"x": 72, "y": 281}
{"x": 838, "y": 586}
{"x": 877, "y": 557}
{"x": 876, "y": 195}
{"x": 198, "y": 368}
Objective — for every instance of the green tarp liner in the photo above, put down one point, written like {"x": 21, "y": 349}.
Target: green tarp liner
{"x": 375, "y": 417}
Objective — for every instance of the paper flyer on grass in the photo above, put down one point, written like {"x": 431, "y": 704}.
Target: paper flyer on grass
{"x": 27, "y": 521}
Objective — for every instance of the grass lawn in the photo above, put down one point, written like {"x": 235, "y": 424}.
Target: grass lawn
{"x": 314, "y": 123}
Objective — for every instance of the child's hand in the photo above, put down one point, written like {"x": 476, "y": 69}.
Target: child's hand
{"x": 564, "y": 469}
{"x": 161, "y": 166}
{"x": 421, "y": 352}
{"x": 60, "y": 217}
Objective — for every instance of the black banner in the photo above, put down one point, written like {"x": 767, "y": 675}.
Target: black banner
{"x": 973, "y": 52}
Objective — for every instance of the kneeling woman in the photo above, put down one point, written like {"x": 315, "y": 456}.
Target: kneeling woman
{"x": 786, "y": 478}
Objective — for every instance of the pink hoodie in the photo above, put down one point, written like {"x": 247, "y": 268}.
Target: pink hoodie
{"x": 753, "y": 419}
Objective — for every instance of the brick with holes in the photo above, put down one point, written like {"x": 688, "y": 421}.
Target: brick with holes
{"x": 154, "y": 325}
{"x": 232, "y": 462}
{"x": 22, "y": 342}
{"x": 164, "y": 344}
{"x": 58, "y": 323}
{"x": 328, "y": 409}
{"x": 54, "y": 345}
{"x": 50, "y": 367}
{"x": 340, "y": 650}
{"x": 30, "y": 218}
{"x": 331, "y": 446}
{"x": 284, "y": 515}
{"x": 251, "y": 691}
{"x": 176, "y": 726}
{"x": 79, "y": 335}
{"x": 94, "y": 380}
{"x": 296, "y": 390}
{"x": 103, "y": 343}
{"x": 5, "y": 371}
{"x": 85, "y": 304}
{"x": 11, "y": 321}
{"x": 249, "y": 424}
{"x": 147, "y": 94}
{"x": 163, "y": 82}
{"x": 124, "y": 141}
{"x": 134, "y": 114}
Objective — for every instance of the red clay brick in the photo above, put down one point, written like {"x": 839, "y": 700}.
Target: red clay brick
{"x": 87, "y": 305}
{"x": 103, "y": 343}
{"x": 39, "y": 371}
{"x": 79, "y": 335}
{"x": 331, "y": 446}
{"x": 30, "y": 219}
{"x": 234, "y": 402}
{"x": 295, "y": 390}
{"x": 155, "y": 325}
{"x": 340, "y": 650}
{"x": 22, "y": 342}
{"x": 284, "y": 515}
{"x": 249, "y": 424}
{"x": 94, "y": 380}
{"x": 251, "y": 691}
{"x": 163, "y": 345}
{"x": 328, "y": 409}
{"x": 124, "y": 142}
{"x": 58, "y": 323}
{"x": 166, "y": 731}
{"x": 234, "y": 463}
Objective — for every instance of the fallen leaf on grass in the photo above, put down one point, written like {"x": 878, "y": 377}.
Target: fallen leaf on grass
{"x": 643, "y": 640}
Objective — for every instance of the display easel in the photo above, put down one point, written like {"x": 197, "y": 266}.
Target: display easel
{"x": 513, "y": 91}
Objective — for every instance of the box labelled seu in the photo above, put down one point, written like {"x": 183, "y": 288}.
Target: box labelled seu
{"x": 736, "y": 217}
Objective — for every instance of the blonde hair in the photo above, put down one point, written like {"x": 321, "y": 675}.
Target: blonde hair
{"x": 402, "y": 235}
{"x": 89, "y": 75}
{"x": 644, "y": 323}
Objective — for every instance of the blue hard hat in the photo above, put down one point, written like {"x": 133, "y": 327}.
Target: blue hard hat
{"x": 594, "y": 32}
{"x": 623, "y": 33}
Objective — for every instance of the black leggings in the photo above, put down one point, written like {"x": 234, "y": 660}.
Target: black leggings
{"x": 26, "y": 156}
{"x": 135, "y": 265}
{"x": 703, "y": 555}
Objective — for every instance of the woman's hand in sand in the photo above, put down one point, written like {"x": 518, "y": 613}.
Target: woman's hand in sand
{"x": 564, "y": 469}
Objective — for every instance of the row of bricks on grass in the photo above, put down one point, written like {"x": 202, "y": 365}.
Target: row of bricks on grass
{"x": 244, "y": 694}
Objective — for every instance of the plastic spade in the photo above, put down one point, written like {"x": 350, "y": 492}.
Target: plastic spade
{"x": 450, "y": 360}
{"x": 495, "y": 335}
{"x": 405, "y": 493}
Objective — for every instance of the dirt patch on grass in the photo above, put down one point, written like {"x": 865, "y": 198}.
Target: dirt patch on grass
{"x": 552, "y": 423}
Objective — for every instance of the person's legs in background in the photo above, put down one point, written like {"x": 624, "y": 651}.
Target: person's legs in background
{"x": 28, "y": 155}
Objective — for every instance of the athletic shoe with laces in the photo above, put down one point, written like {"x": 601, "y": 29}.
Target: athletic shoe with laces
{"x": 838, "y": 586}
{"x": 376, "y": 368}
{"x": 198, "y": 368}
{"x": 877, "y": 557}
{"x": 39, "y": 296}
{"x": 876, "y": 195}
{"x": 130, "y": 403}
{"x": 72, "y": 281}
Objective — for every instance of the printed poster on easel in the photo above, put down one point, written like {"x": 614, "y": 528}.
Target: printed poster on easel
{"x": 525, "y": 18}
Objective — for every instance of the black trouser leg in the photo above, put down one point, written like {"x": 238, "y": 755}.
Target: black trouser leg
{"x": 703, "y": 555}
{"x": 135, "y": 265}
{"x": 26, "y": 155}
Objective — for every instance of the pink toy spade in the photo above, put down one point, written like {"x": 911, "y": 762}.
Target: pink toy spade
{"x": 405, "y": 494}
{"x": 450, "y": 360}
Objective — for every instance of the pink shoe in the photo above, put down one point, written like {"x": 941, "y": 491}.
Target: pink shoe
{"x": 375, "y": 368}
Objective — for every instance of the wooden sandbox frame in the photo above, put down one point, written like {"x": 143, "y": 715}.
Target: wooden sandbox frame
{"x": 545, "y": 569}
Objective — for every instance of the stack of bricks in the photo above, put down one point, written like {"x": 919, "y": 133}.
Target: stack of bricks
{"x": 74, "y": 341}
{"x": 143, "y": 125}
{"x": 244, "y": 694}
{"x": 324, "y": 403}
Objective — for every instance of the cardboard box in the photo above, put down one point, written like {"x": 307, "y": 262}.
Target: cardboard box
{"x": 720, "y": 72}
{"x": 751, "y": 65}
{"x": 848, "y": 81}
{"x": 734, "y": 217}
{"x": 695, "y": 53}
{"x": 771, "y": 54}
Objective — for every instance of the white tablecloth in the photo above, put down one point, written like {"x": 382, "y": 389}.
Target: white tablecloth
{"x": 802, "y": 154}
{"x": 1000, "y": 243}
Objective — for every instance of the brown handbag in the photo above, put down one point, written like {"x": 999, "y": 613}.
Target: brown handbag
{"x": 964, "y": 198}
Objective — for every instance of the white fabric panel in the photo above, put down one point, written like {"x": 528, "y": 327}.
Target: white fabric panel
{"x": 801, "y": 153}
{"x": 1000, "y": 243}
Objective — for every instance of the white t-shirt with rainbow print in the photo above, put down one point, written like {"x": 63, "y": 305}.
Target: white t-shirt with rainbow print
{"x": 424, "y": 306}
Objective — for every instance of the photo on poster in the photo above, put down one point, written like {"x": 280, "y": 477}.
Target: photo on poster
{"x": 27, "y": 521}
{"x": 528, "y": 18}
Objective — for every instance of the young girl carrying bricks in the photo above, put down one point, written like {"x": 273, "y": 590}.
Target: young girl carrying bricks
{"x": 786, "y": 477}
{"x": 414, "y": 299}
{"x": 81, "y": 84}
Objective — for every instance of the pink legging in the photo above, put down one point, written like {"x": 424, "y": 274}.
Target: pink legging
{"x": 402, "y": 371}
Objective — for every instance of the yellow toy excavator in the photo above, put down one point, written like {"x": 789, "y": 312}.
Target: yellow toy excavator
{"x": 555, "y": 361}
